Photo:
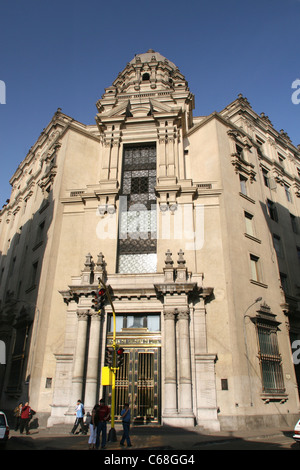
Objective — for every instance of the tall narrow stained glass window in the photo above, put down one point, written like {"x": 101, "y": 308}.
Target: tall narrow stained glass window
{"x": 137, "y": 214}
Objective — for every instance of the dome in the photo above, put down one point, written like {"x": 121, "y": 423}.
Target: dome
{"x": 150, "y": 56}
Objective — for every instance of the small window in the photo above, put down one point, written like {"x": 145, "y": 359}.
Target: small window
{"x": 272, "y": 210}
{"x": 281, "y": 159}
{"x": 243, "y": 185}
{"x": 239, "y": 151}
{"x": 145, "y": 77}
{"x": 34, "y": 270}
{"x": 277, "y": 245}
{"x": 40, "y": 233}
{"x": 266, "y": 178}
{"x": 294, "y": 223}
{"x": 48, "y": 382}
{"x": 255, "y": 268}
{"x": 288, "y": 193}
{"x": 284, "y": 282}
{"x": 224, "y": 384}
{"x": 249, "y": 224}
{"x": 259, "y": 150}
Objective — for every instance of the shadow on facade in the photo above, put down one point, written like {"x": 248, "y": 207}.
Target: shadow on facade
{"x": 284, "y": 228}
{"x": 20, "y": 270}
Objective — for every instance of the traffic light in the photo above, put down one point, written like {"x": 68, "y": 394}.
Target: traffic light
{"x": 99, "y": 300}
{"x": 96, "y": 303}
{"x": 102, "y": 297}
{"x": 109, "y": 357}
{"x": 120, "y": 357}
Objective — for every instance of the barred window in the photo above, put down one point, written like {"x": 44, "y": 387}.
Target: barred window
{"x": 268, "y": 354}
{"x": 270, "y": 360}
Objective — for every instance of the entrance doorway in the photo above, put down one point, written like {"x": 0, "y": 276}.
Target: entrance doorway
{"x": 138, "y": 383}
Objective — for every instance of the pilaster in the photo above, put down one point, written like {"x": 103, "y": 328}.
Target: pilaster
{"x": 93, "y": 362}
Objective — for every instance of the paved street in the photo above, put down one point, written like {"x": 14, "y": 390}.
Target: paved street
{"x": 159, "y": 439}
{"x": 278, "y": 442}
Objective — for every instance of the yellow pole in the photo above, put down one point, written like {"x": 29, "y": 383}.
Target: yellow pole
{"x": 112, "y": 436}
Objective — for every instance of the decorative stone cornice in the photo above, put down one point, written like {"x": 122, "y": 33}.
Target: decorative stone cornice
{"x": 178, "y": 288}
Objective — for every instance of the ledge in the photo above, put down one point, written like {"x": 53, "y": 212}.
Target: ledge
{"x": 247, "y": 198}
{"x": 260, "y": 284}
{"x": 257, "y": 240}
{"x": 268, "y": 397}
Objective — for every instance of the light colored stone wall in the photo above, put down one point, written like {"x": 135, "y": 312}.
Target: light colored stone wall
{"x": 212, "y": 337}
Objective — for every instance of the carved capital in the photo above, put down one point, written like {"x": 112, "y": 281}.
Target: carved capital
{"x": 170, "y": 314}
{"x": 82, "y": 315}
{"x": 183, "y": 314}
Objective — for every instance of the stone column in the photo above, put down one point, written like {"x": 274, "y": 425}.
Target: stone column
{"x": 77, "y": 380}
{"x": 206, "y": 394}
{"x": 185, "y": 375}
{"x": 170, "y": 364}
{"x": 93, "y": 362}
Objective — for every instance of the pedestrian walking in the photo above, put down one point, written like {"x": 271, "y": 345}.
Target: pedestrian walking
{"x": 17, "y": 415}
{"x": 103, "y": 417}
{"x": 92, "y": 423}
{"x": 125, "y": 415}
{"x": 79, "y": 418}
{"x": 26, "y": 415}
{"x": 87, "y": 421}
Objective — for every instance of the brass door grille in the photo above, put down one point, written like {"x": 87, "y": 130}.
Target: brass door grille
{"x": 138, "y": 383}
{"x": 145, "y": 386}
{"x": 122, "y": 385}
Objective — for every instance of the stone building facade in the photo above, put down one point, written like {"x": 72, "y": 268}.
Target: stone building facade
{"x": 192, "y": 222}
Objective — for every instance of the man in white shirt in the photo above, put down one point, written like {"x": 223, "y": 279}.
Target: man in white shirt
{"x": 79, "y": 418}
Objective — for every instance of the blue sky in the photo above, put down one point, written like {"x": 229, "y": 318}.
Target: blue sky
{"x": 64, "y": 53}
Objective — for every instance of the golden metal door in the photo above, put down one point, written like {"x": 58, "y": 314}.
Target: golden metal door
{"x": 138, "y": 383}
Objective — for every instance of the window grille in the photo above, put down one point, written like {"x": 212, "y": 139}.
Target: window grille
{"x": 270, "y": 360}
{"x": 137, "y": 218}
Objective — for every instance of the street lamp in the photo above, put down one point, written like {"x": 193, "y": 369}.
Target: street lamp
{"x": 246, "y": 344}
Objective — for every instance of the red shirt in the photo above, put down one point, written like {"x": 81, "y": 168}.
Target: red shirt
{"x": 103, "y": 413}
{"x": 25, "y": 413}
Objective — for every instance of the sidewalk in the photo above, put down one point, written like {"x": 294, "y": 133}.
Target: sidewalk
{"x": 142, "y": 437}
